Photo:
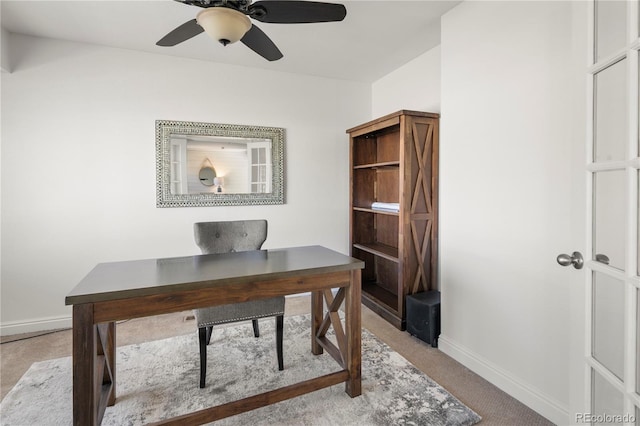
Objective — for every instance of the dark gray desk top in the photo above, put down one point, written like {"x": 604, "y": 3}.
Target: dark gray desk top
{"x": 117, "y": 280}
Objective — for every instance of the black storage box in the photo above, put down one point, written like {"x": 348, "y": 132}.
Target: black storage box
{"x": 423, "y": 316}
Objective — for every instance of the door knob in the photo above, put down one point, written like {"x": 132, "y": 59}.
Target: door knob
{"x": 575, "y": 259}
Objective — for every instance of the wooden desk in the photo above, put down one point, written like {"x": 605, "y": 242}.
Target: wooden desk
{"x": 122, "y": 290}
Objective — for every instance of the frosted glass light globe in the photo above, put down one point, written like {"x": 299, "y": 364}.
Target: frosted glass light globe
{"x": 223, "y": 24}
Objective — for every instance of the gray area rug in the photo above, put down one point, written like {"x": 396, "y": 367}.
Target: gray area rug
{"x": 158, "y": 380}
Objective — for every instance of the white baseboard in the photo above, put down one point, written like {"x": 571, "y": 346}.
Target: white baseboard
{"x": 548, "y": 407}
{"x": 31, "y": 326}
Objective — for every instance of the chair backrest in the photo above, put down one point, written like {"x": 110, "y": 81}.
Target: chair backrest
{"x": 225, "y": 237}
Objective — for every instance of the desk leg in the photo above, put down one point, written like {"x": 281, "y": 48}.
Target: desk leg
{"x": 85, "y": 398}
{"x": 110, "y": 353}
{"x": 353, "y": 331}
{"x": 94, "y": 366}
{"x": 317, "y": 314}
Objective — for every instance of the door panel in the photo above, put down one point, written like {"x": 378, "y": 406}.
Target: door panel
{"x": 637, "y": 296}
{"x": 608, "y": 323}
{"x": 611, "y": 106}
{"x": 606, "y": 399}
{"x": 610, "y": 27}
{"x": 609, "y": 217}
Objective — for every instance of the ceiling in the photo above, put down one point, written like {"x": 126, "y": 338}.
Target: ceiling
{"x": 374, "y": 39}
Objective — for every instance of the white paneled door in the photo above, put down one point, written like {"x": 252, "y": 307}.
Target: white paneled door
{"x": 611, "y": 259}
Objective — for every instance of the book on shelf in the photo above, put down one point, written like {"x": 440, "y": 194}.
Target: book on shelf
{"x": 389, "y": 207}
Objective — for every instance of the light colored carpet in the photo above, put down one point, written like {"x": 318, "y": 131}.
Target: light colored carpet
{"x": 159, "y": 379}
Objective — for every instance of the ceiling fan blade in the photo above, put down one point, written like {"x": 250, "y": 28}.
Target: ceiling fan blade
{"x": 296, "y": 12}
{"x": 256, "y": 40}
{"x": 182, "y": 33}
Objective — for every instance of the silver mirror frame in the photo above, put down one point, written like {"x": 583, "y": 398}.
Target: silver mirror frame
{"x": 166, "y": 128}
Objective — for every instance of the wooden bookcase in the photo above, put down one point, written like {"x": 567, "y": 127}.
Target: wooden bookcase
{"x": 394, "y": 159}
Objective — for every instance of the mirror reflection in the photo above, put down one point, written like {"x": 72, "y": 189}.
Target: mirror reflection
{"x": 205, "y": 164}
{"x": 243, "y": 163}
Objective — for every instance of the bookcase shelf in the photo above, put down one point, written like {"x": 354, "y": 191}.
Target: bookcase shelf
{"x": 364, "y": 209}
{"x": 378, "y": 165}
{"x": 376, "y": 295}
{"x": 394, "y": 159}
{"x": 382, "y": 250}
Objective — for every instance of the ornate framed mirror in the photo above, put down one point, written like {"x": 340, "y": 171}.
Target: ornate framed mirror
{"x": 207, "y": 164}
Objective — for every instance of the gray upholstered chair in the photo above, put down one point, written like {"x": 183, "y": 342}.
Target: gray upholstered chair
{"x": 226, "y": 237}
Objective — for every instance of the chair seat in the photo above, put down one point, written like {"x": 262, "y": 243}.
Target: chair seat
{"x": 253, "y": 309}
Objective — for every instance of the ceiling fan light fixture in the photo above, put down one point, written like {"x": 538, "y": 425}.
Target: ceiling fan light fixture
{"x": 223, "y": 24}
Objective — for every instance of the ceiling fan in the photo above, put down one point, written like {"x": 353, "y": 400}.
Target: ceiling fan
{"x": 227, "y": 21}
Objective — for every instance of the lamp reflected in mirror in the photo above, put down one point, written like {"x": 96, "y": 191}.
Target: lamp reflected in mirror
{"x": 217, "y": 181}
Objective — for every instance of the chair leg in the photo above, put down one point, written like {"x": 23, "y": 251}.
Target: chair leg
{"x": 279, "y": 333}
{"x": 256, "y": 329}
{"x": 209, "y": 331}
{"x": 202, "y": 339}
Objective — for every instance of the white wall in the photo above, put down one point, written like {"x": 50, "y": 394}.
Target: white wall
{"x": 78, "y": 126}
{"x": 507, "y": 113}
{"x": 507, "y": 119}
{"x": 414, "y": 86}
